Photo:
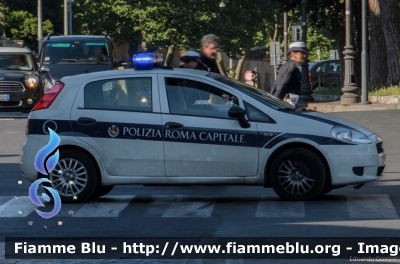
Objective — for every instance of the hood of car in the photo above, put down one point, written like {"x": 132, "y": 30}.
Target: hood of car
{"x": 10, "y": 75}
{"x": 59, "y": 71}
{"x": 335, "y": 121}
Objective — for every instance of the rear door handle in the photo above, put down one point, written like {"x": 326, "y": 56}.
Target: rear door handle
{"x": 86, "y": 121}
{"x": 172, "y": 125}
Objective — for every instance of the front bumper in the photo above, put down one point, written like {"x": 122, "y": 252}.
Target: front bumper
{"x": 355, "y": 164}
{"x": 20, "y": 100}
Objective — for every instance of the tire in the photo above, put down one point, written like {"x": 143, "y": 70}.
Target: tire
{"x": 101, "y": 191}
{"x": 298, "y": 174}
{"x": 80, "y": 170}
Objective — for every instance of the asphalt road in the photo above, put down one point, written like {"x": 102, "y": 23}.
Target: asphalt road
{"x": 207, "y": 211}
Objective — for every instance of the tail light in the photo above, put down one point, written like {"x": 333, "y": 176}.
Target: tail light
{"x": 309, "y": 77}
{"x": 49, "y": 97}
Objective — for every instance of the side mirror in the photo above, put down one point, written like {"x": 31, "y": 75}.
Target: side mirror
{"x": 239, "y": 113}
{"x": 44, "y": 69}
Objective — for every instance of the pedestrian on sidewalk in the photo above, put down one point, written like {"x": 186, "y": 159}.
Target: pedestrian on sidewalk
{"x": 288, "y": 81}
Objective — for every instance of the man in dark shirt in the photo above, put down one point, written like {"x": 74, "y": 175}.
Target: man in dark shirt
{"x": 209, "y": 48}
{"x": 288, "y": 80}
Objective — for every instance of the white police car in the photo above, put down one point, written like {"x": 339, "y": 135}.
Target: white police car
{"x": 176, "y": 126}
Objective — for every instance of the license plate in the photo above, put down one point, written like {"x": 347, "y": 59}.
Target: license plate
{"x": 384, "y": 159}
{"x": 4, "y": 97}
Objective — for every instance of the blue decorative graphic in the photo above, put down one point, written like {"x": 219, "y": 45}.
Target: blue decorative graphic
{"x": 45, "y": 168}
{"x": 45, "y": 151}
{"x": 35, "y": 199}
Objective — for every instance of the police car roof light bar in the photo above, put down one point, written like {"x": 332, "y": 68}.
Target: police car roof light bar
{"x": 146, "y": 61}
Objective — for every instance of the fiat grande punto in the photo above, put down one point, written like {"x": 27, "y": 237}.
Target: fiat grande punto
{"x": 164, "y": 126}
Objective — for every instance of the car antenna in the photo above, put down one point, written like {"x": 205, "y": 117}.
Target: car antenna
{"x": 48, "y": 37}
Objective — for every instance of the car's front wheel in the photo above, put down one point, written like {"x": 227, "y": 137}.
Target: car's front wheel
{"x": 74, "y": 177}
{"x": 298, "y": 174}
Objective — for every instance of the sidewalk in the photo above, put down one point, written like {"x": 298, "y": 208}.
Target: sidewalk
{"x": 336, "y": 106}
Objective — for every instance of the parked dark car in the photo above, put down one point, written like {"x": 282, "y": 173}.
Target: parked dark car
{"x": 77, "y": 54}
{"x": 22, "y": 83}
{"x": 325, "y": 73}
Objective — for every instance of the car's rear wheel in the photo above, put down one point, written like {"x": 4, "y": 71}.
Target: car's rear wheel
{"x": 102, "y": 190}
{"x": 74, "y": 177}
{"x": 298, "y": 174}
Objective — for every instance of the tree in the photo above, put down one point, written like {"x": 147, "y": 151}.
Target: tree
{"x": 23, "y": 25}
{"x": 391, "y": 30}
{"x": 377, "y": 48}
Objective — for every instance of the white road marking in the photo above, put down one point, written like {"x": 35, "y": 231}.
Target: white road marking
{"x": 369, "y": 206}
{"x": 190, "y": 209}
{"x": 273, "y": 209}
{"x": 107, "y": 206}
{"x": 159, "y": 205}
{"x": 11, "y": 207}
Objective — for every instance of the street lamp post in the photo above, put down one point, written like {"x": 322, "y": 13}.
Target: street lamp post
{"x": 305, "y": 95}
{"x": 65, "y": 17}
{"x": 364, "y": 59}
{"x": 285, "y": 37}
{"x": 40, "y": 29}
{"x": 350, "y": 87}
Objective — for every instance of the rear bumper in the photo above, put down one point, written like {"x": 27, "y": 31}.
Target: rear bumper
{"x": 30, "y": 148}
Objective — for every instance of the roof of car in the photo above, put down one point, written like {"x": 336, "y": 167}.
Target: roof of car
{"x": 74, "y": 37}
{"x": 14, "y": 49}
{"x": 116, "y": 73}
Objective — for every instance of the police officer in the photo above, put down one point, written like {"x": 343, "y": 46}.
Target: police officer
{"x": 209, "y": 47}
{"x": 288, "y": 80}
{"x": 191, "y": 60}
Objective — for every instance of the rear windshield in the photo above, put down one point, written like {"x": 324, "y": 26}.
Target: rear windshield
{"x": 76, "y": 51}
{"x": 255, "y": 93}
{"x": 15, "y": 61}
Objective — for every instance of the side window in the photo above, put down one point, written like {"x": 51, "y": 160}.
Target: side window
{"x": 334, "y": 67}
{"x": 256, "y": 115}
{"x": 187, "y": 97}
{"x": 131, "y": 94}
{"x": 321, "y": 68}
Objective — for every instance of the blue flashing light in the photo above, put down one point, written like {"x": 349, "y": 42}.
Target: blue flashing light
{"x": 145, "y": 61}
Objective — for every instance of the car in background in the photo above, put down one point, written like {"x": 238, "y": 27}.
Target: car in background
{"x": 22, "y": 82}
{"x": 325, "y": 73}
{"x": 77, "y": 54}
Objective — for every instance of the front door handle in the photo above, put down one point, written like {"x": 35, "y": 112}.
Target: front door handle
{"x": 172, "y": 125}
{"x": 86, "y": 121}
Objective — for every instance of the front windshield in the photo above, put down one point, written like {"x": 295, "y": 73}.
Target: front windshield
{"x": 255, "y": 93}
{"x": 15, "y": 61}
{"x": 76, "y": 51}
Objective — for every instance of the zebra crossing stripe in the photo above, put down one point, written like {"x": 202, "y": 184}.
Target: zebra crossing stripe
{"x": 158, "y": 206}
{"x": 371, "y": 206}
{"x": 10, "y": 206}
{"x": 274, "y": 209}
{"x": 182, "y": 208}
{"x": 107, "y": 206}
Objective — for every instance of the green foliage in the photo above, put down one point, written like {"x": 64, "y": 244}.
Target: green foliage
{"x": 329, "y": 91}
{"x": 23, "y": 25}
{"x": 385, "y": 91}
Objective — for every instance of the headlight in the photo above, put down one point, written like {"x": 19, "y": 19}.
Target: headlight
{"x": 350, "y": 135}
{"x": 32, "y": 81}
